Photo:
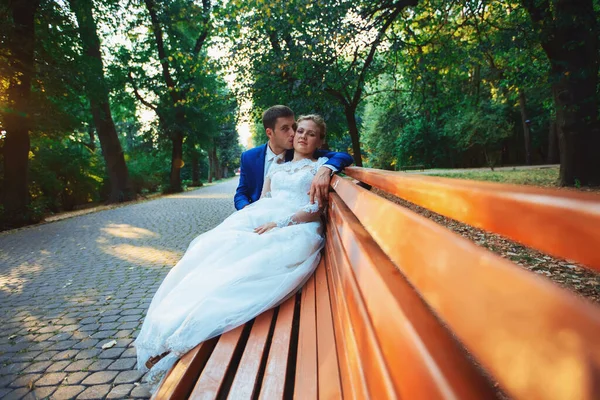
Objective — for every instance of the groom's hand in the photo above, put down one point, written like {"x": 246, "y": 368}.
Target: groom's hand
{"x": 320, "y": 186}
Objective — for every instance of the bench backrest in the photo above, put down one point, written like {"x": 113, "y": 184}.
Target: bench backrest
{"x": 409, "y": 296}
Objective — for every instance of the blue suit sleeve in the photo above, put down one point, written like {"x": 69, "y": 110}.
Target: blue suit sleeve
{"x": 242, "y": 197}
{"x": 337, "y": 160}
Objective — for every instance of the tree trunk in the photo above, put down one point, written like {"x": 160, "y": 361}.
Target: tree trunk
{"x": 16, "y": 116}
{"x": 525, "y": 122}
{"x": 353, "y": 128}
{"x": 176, "y": 162}
{"x": 97, "y": 91}
{"x": 553, "y": 157}
{"x": 211, "y": 166}
{"x": 195, "y": 169}
{"x": 568, "y": 31}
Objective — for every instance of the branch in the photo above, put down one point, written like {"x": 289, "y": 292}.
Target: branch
{"x": 374, "y": 45}
{"x": 204, "y": 33}
{"x": 138, "y": 95}
{"x": 162, "y": 55}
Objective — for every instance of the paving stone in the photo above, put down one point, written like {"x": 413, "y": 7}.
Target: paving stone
{"x": 140, "y": 391}
{"x": 89, "y": 327}
{"x": 51, "y": 379}
{"x": 128, "y": 377}
{"x": 58, "y": 366}
{"x": 95, "y": 392}
{"x": 98, "y": 378}
{"x": 123, "y": 364}
{"x": 109, "y": 318}
{"x": 129, "y": 325}
{"x": 27, "y": 356}
{"x": 86, "y": 344}
{"x": 63, "y": 345}
{"x": 104, "y": 334}
{"x": 100, "y": 365}
{"x": 67, "y": 392}
{"x": 130, "y": 318}
{"x": 85, "y": 354}
{"x": 113, "y": 353}
{"x": 65, "y": 355}
{"x": 25, "y": 380}
{"x": 80, "y": 365}
{"x": 46, "y": 355}
{"x": 120, "y": 391}
{"x": 40, "y": 393}
{"x": 6, "y": 379}
{"x": 75, "y": 378}
{"x": 88, "y": 320}
{"x": 130, "y": 352}
{"x": 60, "y": 336}
{"x": 14, "y": 368}
{"x": 37, "y": 367}
{"x": 16, "y": 394}
{"x": 109, "y": 326}
{"x": 124, "y": 333}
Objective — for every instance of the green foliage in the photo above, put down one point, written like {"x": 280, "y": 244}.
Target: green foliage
{"x": 64, "y": 174}
{"x": 148, "y": 170}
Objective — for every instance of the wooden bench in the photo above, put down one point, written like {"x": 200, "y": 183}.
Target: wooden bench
{"x": 401, "y": 307}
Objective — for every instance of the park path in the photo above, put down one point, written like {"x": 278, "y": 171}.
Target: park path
{"x": 68, "y": 287}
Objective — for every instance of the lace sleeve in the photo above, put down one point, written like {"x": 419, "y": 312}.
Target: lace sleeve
{"x": 308, "y": 213}
{"x": 319, "y": 163}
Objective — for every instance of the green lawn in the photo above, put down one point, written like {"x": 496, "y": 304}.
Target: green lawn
{"x": 537, "y": 177}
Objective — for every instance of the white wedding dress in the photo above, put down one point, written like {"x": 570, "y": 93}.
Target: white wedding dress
{"x": 230, "y": 274}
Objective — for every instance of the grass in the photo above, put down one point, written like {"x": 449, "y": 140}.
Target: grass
{"x": 546, "y": 177}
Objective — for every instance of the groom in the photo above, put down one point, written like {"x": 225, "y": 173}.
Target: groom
{"x": 280, "y": 127}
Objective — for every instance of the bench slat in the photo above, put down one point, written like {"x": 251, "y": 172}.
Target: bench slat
{"x": 341, "y": 340}
{"x": 180, "y": 380}
{"x": 306, "y": 365}
{"x": 213, "y": 376}
{"x": 277, "y": 363}
{"x": 570, "y": 222}
{"x": 356, "y": 383}
{"x": 420, "y": 356}
{"x": 537, "y": 339}
{"x": 329, "y": 376}
{"x": 246, "y": 377}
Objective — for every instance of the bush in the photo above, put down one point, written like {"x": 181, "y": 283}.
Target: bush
{"x": 63, "y": 174}
{"x": 148, "y": 171}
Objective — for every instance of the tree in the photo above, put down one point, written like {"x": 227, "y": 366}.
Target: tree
{"x": 97, "y": 92}
{"x": 568, "y": 34}
{"x": 16, "y": 116}
{"x": 178, "y": 87}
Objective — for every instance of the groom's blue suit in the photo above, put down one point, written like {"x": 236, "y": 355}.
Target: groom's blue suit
{"x": 252, "y": 168}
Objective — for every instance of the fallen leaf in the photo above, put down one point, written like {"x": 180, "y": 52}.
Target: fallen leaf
{"x": 109, "y": 344}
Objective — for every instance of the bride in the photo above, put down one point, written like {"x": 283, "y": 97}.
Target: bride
{"x": 248, "y": 264}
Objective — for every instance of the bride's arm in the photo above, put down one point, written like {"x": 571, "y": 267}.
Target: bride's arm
{"x": 308, "y": 213}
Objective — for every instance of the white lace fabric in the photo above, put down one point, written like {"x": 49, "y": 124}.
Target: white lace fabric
{"x": 230, "y": 274}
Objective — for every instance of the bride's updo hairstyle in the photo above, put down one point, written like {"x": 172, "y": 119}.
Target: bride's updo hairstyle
{"x": 317, "y": 119}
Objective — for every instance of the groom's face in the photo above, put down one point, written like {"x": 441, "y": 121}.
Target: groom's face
{"x": 282, "y": 135}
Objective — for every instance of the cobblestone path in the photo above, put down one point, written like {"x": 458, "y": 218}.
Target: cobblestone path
{"x": 69, "y": 287}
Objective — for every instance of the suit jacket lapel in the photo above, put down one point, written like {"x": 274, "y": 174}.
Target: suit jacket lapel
{"x": 260, "y": 167}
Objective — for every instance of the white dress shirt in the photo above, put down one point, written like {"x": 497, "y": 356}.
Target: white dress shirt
{"x": 270, "y": 159}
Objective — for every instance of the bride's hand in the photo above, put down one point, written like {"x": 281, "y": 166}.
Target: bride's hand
{"x": 265, "y": 228}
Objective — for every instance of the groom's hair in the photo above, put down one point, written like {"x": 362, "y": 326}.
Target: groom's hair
{"x": 270, "y": 116}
